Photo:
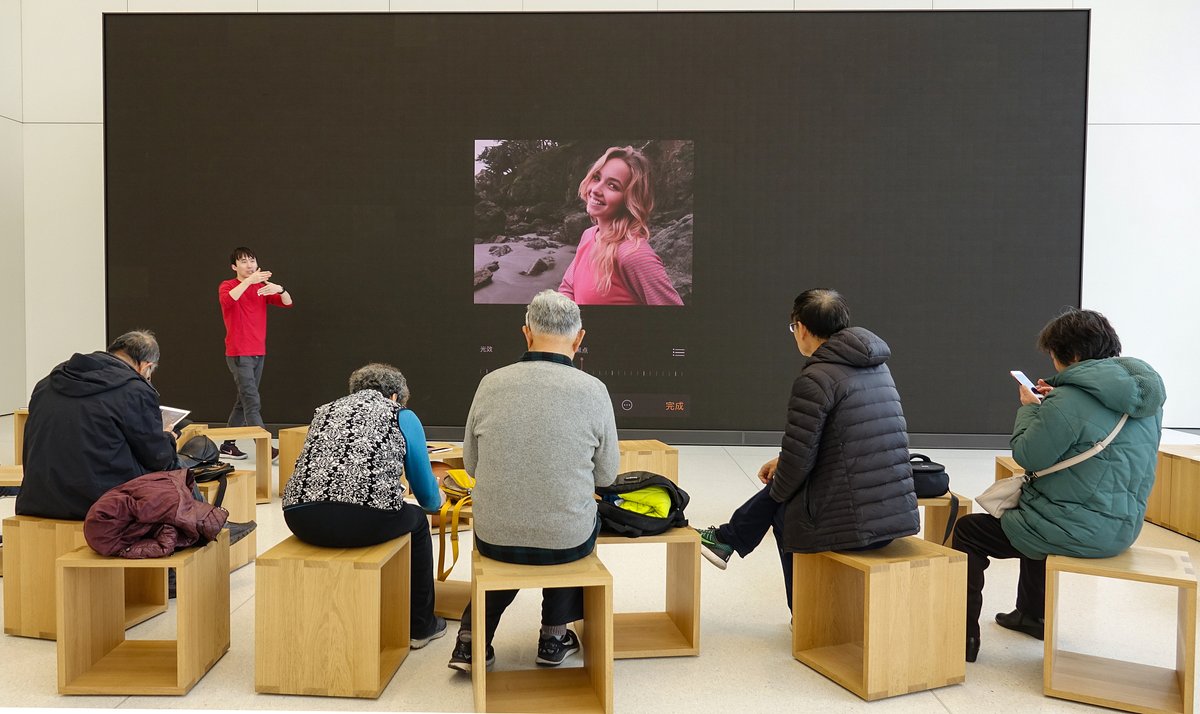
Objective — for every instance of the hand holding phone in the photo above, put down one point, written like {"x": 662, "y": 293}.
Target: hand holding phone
{"x": 1025, "y": 382}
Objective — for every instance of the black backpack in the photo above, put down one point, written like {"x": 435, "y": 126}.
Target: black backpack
{"x": 930, "y": 479}
{"x": 615, "y": 520}
{"x": 202, "y": 458}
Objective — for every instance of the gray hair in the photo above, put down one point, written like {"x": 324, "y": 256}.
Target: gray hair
{"x": 552, "y": 313}
{"x": 383, "y": 378}
{"x": 138, "y": 345}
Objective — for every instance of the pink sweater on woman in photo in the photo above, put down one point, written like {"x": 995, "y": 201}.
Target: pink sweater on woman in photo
{"x": 638, "y": 276}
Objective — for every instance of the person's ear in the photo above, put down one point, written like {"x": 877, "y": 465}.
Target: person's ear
{"x": 528, "y": 336}
{"x": 578, "y": 340}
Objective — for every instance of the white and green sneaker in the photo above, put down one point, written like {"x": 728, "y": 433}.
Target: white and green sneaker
{"x": 714, "y": 550}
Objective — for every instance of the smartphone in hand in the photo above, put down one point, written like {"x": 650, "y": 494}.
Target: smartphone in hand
{"x": 1020, "y": 377}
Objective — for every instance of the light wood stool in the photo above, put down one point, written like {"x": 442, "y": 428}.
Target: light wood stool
{"x": 649, "y": 455}
{"x": 332, "y": 622}
{"x": 576, "y": 689}
{"x": 1114, "y": 683}
{"x": 1175, "y": 498}
{"x": 262, "y": 450}
{"x": 31, "y": 547}
{"x": 937, "y": 514}
{"x": 882, "y": 622}
{"x": 20, "y": 416}
{"x": 674, "y": 632}
{"x": 93, "y": 655}
{"x": 10, "y": 477}
{"x": 240, "y": 502}
{"x": 291, "y": 442}
{"x": 1007, "y": 466}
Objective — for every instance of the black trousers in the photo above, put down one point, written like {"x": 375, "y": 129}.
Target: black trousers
{"x": 981, "y": 537}
{"x": 350, "y": 525}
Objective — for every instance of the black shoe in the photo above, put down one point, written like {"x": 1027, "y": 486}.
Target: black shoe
{"x": 552, "y": 650}
{"x": 238, "y": 531}
{"x": 972, "y": 649}
{"x": 1020, "y": 622}
{"x": 229, "y": 450}
{"x": 461, "y": 657}
{"x": 439, "y": 630}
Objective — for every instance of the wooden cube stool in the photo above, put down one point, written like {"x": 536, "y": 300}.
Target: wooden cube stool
{"x": 674, "y": 632}
{"x": 31, "y": 546}
{"x": 240, "y": 502}
{"x": 649, "y": 455}
{"x": 291, "y": 441}
{"x": 882, "y": 622}
{"x": 1007, "y": 466}
{"x": 1114, "y": 683}
{"x": 576, "y": 689}
{"x": 1175, "y": 498}
{"x": 262, "y": 451}
{"x": 332, "y": 622}
{"x": 93, "y": 655}
{"x": 937, "y": 515}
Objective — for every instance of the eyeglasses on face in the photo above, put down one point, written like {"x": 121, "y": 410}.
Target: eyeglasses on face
{"x": 792, "y": 327}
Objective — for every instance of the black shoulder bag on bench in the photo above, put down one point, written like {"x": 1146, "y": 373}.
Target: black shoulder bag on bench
{"x": 930, "y": 480}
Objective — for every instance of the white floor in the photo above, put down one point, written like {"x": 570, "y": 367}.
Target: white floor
{"x": 745, "y": 663}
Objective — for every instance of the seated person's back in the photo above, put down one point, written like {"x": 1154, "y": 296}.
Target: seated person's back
{"x": 94, "y": 423}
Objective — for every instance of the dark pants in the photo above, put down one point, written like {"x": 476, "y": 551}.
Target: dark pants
{"x": 349, "y": 525}
{"x": 560, "y": 606}
{"x": 749, "y": 525}
{"x": 980, "y": 536}
{"x": 247, "y": 374}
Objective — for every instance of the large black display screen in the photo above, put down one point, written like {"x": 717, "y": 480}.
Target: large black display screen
{"x": 412, "y": 179}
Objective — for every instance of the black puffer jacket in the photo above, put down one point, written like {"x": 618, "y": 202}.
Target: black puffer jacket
{"x": 843, "y": 470}
{"x": 94, "y": 423}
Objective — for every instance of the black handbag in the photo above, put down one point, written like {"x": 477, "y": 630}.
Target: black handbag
{"x": 930, "y": 479}
{"x": 201, "y": 457}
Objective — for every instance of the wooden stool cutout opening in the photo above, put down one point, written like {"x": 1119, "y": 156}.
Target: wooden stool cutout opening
{"x": 331, "y": 622}
{"x": 576, "y": 689}
{"x": 93, "y": 655}
{"x": 1114, "y": 683}
{"x": 675, "y": 631}
{"x": 882, "y": 622}
{"x": 31, "y": 584}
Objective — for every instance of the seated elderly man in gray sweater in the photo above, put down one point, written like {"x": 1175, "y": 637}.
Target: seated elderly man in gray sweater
{"x": 540, "y": 438}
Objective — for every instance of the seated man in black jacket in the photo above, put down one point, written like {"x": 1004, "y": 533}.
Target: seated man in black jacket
{"x": 94, "y": 423}
{"x": 842, "y": 480}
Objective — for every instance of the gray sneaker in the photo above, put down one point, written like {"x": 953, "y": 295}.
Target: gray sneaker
{"x": 714, "y": 550}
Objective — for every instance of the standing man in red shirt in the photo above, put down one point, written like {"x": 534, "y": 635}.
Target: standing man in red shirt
{"x": 244, "y": 301}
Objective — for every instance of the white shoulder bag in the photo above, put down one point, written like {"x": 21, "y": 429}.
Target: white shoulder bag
{"x": 1006, "y": 493}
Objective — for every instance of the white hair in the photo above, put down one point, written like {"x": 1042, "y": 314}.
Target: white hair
{"x": 552, "y": 313}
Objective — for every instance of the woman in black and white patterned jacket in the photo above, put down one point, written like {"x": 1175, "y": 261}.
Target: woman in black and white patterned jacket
{"x": 347, "y": 492}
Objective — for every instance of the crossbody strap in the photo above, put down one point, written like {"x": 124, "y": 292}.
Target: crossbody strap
{"x": 1079, "y": 458}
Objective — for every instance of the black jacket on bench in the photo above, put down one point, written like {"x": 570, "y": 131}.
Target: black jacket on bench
{"x": 844, "y": 473}
{"x": 94, "y": 423}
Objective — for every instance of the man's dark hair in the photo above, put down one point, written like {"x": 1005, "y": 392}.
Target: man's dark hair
{"x": 139, "y": 345}
{"x": 1077, "y": 335}
{"x": 821, "y": 311}
{"x": 239, "y": 253}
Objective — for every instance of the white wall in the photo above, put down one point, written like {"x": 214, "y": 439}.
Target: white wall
{"x": 1143, "y": 173}
{"x": 12, "y": 211}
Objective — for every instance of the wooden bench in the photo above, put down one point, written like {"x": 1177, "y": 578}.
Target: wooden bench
{"x": 937, "y": 515}
{"x": 649, "y": 455}
{"x": 1007, "y": 466}
{"x": 674, "y": 632}
{"x": 93, "y": 655}
{"x": 576, "y": 689}
{"x": 882, "y": 622}
{"x": 20, "y": 416}
{"x": 240, "y": 502}
{"x": 31, "y": 547}
{"x": 331, "y": 622}
{"x": 291, "y": 442}
{"x": 1175, "y": 498}
{"x": 1115, "y": 683}
{"x": 262, "y": 450}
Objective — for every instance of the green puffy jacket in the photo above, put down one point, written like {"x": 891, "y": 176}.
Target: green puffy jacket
{"x": 1095, "y": 508}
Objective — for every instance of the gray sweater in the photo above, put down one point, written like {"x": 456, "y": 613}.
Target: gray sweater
{"x": 540, "y": 438}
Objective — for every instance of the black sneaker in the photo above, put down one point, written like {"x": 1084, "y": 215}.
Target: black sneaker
{"x": 461, "y": 658}
{"x": 274, "y": 455}
{"x": 238, "y": 531}
{"x": 439, "y": 630}
{"x": 552, "y": 650}
{"x": 229, "y": 450}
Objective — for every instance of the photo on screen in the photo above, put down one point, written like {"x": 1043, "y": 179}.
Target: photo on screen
{"x": 606, "y": 222}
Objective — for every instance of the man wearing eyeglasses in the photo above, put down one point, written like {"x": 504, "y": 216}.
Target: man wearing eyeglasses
{"x": 842, "y": 480}
{"x": 94, "y": 423}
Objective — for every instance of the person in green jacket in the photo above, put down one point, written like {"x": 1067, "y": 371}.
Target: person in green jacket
{"x": 1093, "y": 509}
